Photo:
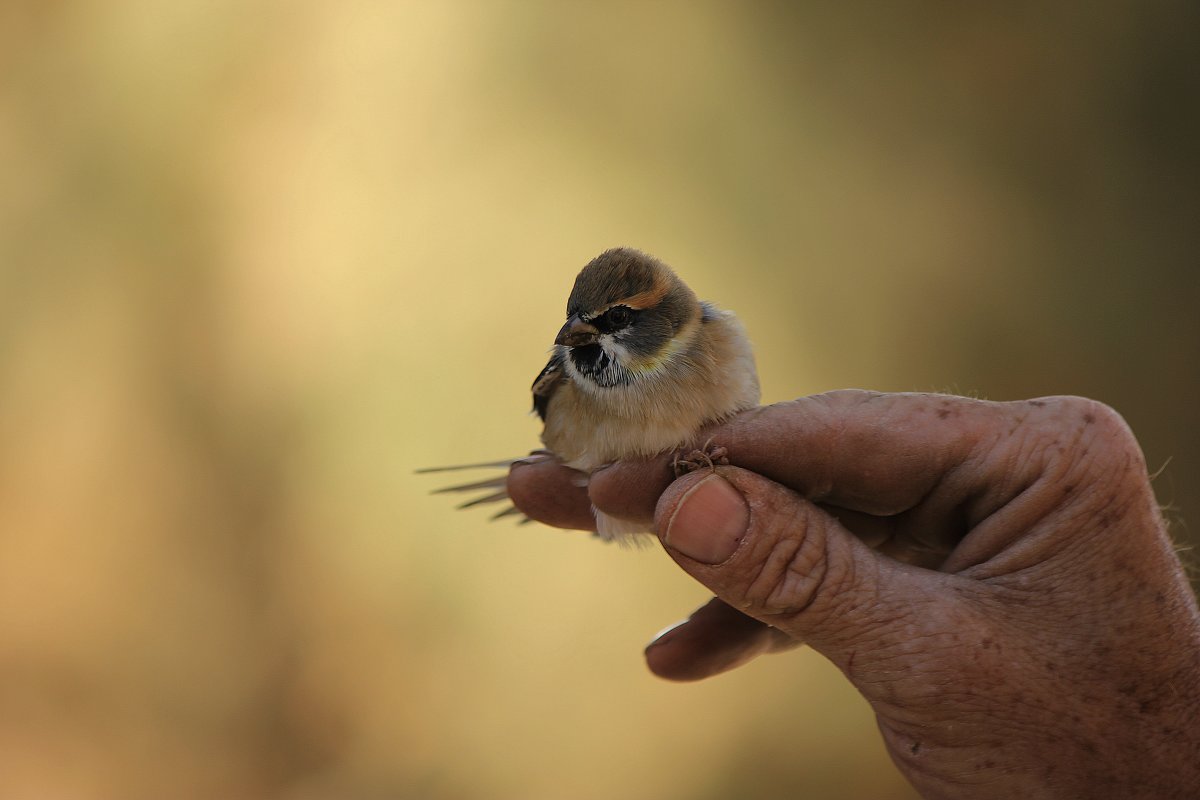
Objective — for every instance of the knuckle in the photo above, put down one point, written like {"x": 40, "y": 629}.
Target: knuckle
{"x": 1097, "y": 438}
{"x": 1109, "y": 425}
{"x": 629, "y": 490}
{"x": 607, "y": 489}
{"x": 1091, "y": 467}
{"x": 1092, "y": 412}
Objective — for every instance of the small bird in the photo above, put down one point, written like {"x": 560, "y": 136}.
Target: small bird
{"x": 639, "y": 368}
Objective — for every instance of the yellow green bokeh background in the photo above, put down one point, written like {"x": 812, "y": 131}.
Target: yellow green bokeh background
{"x": 260, "y": 260}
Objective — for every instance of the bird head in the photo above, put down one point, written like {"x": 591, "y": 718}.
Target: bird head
{"x": 628, "y": 314}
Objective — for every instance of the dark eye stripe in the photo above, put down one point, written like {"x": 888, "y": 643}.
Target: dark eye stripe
{"x": 615, "y": 319}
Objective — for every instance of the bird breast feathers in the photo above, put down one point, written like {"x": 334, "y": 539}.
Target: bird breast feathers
{"x": 703, "y": 378}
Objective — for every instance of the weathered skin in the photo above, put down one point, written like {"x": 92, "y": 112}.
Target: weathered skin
{"x": 994, "y": 578}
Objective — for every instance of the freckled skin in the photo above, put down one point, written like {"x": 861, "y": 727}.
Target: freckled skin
{"x": 1019, "y": 622}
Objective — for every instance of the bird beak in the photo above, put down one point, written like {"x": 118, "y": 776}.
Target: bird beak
{"x": 577, "y": 333}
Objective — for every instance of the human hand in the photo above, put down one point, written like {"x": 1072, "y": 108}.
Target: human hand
{"x": 994, "y": 578}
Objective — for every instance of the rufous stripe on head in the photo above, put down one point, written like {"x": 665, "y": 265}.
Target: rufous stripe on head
{"x": 647, "y": 299}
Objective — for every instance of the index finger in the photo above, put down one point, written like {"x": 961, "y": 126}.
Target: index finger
{"x": 878, "y": 454}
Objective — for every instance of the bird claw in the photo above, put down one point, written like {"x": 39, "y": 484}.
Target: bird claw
{"x": 710, "y": 456}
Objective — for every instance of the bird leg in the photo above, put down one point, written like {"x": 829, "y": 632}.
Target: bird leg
{"x": 709, "y": 455}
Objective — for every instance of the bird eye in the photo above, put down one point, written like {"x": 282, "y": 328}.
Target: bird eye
{"x": 619, "y": 316}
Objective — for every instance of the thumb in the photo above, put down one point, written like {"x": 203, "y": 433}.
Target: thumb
{"x": 781, "y": 559}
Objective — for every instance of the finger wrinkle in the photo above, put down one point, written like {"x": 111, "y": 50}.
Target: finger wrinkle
{"x": 786, "y": 579}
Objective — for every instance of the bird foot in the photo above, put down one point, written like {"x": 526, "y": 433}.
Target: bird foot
{"x": 709, "y": 456}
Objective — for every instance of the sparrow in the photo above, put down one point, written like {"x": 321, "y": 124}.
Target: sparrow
{"x": 639, "y": 368}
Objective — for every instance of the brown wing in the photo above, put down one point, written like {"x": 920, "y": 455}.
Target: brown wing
{"x": 546, "y": 383}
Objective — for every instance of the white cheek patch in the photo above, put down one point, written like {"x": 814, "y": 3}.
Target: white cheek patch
{"x": 637, "y": 364}
{"x": 611, "y": 345}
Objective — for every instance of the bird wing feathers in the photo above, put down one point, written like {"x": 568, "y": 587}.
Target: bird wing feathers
{"x": 546, "y": 384}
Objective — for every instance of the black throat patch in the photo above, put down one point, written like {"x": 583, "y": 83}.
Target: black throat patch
{"x": 597, "y": 366}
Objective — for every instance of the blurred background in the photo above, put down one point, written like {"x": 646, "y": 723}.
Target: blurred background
{"x": 260, "y": 260}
